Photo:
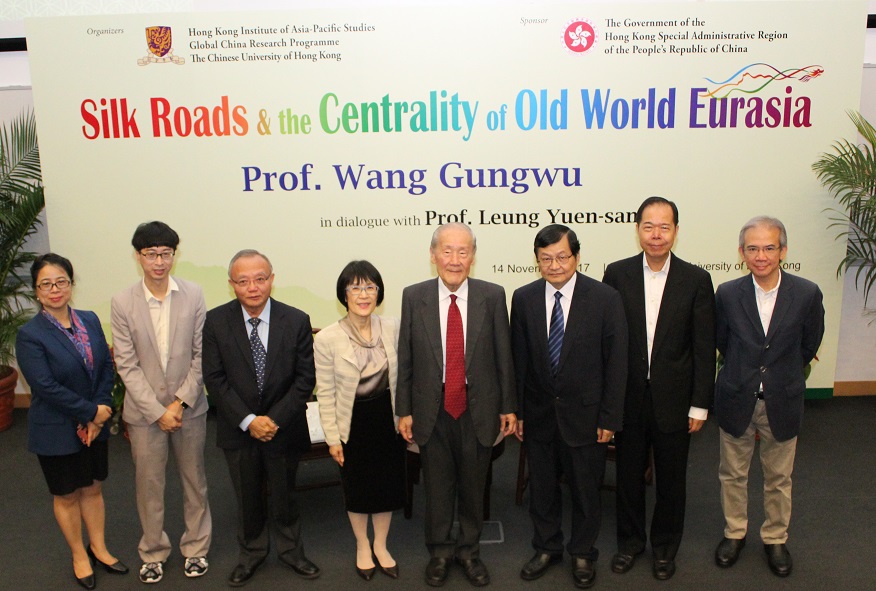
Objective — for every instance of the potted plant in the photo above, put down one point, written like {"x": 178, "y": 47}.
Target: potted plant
{"x": 849, "y": 174}
{"x": 21, "y": 201}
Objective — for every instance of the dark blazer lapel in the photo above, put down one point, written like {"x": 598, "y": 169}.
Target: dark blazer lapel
{"x": 635, "y": 274}
{"x": 62, "y": 338}
{"x": 577, "y": 315}
{"x": 783, "y": 302}
{"x": 429, "y": 316}
{"x": 277, "y": 329}
{"x": 538, "y": 313}
{"x": 749, "y": 303}
{"x": 475, "y": 321}
{"x": 234, "y": 317}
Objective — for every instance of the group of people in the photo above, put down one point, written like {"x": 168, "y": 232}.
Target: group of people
{"x": 581, "y": 363}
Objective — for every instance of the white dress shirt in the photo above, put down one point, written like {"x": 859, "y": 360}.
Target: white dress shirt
{"x": 159, "y": 311}
{"x": 565, "y": 302}
{"x": 655, "y": 285}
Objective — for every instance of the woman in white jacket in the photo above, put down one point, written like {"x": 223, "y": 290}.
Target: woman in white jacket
{"x": 356, "y": 373}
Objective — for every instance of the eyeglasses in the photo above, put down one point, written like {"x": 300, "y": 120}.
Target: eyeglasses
{"x": 151, "y": 255}
{"x": 768, "y": 250}
{"x": 260, "y": 281}
{"x": 61, "y": 284}
{"x": 561, "y": 259}
{"x": 368, "y": 289}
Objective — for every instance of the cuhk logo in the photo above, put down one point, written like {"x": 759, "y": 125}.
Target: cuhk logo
{"x": 159, "y": 41}
{"x": 579, "y": 36}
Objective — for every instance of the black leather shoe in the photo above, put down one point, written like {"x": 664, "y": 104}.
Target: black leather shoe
{"x": 663, "y": 569}
{"x": 436, "y": 571}
{"x": 728, "y": 551}
{"x": 242, "y": 574}
{"x": 366, "y": 573}
{"x": 117, "y": 568}
{"x": 584, "y": 573}
{"x": 779, "y": 559}
{"x": 538, "y": 565}
{"x": 303, "y": 567}
{"x": 475, "y": 571}
{"x": 622, "y": 563}
{"x": 88, "y": 582}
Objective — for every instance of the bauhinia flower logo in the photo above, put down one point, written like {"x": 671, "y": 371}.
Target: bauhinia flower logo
{"x": 579, "y": 35}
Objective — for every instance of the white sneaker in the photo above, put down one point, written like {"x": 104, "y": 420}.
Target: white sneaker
{"x": 196, "y": 566}
{"x": 151, "y": 572}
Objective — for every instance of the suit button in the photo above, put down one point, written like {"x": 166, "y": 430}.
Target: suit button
{"x": 762, "y": 369}
{"x": 767, "y": 347}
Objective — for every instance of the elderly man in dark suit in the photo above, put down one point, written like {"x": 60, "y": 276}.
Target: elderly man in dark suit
{"x": 670, "y": 308}
{"x": 569, "y": 338}
{"x": 770, "y": 325}
{"x": 259, "y": 372}
{"x": 455, "y": 395}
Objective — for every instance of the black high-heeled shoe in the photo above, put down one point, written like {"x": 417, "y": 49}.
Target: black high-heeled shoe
{"x": 366, "y": 573}
{"x": 88, "y": 581}
{"x": 389, "y": 571}
{"x": 117, "y": 568}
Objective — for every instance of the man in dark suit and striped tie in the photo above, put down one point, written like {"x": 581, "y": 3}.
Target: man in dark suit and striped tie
{"x": 569, "y": 340}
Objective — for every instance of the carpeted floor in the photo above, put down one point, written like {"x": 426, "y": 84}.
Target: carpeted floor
{"x": 832, "y": 529}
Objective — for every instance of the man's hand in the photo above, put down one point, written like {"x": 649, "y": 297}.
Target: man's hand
{"x": 171, "y": 420}
{"x": 406, "y": 428}
{"x": 603, "y": 435}
{"x": 508, "y": 424}
{"x": 337, "y": 453}
{"x": 694, "y": 425}
{"x": 519, "y": 432}
{"x": 263, "y": 428}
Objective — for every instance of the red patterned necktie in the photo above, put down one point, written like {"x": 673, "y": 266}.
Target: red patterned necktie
{"x": 454, "y": 371}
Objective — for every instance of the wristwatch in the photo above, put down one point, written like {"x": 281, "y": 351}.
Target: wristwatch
{"x": 182, "y": 403}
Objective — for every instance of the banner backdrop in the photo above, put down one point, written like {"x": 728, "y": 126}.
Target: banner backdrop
{"x": 319, "y": 137}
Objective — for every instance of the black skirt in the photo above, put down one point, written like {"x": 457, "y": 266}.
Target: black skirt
{"x": 373, "y": 474}
{"x": 65, "y": 474}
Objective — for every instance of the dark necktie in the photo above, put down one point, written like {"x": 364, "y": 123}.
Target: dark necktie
{"x": 555, "y": 335}
{"x": 258, "y": 353}
{"x": 454, "y": 371}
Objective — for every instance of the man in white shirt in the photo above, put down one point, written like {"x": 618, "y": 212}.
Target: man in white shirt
{"x": 770, "y": 325}
{"x": 156, "y": 326}
{"x": 670, "y": 309}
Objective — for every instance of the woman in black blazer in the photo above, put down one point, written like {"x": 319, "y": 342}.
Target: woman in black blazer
{"x": 64, "y": 357}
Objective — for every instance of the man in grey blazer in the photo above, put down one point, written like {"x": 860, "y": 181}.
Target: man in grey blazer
{"x": 156, "y": 325}
{"x": 770, "y": 325}
{"x": 455, "y": 395}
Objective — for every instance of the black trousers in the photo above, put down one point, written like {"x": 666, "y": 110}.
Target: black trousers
{"x": 583, "y": 468}
{"x": 251, "y": 471}
{"x": 455, "y": 466}
{"x": 670, "y": 467}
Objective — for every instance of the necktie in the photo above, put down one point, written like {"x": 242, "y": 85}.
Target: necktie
{"x": 555, "y": 334}
{"x": 454, "y": 371}
{"x": 258, "y": 353}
